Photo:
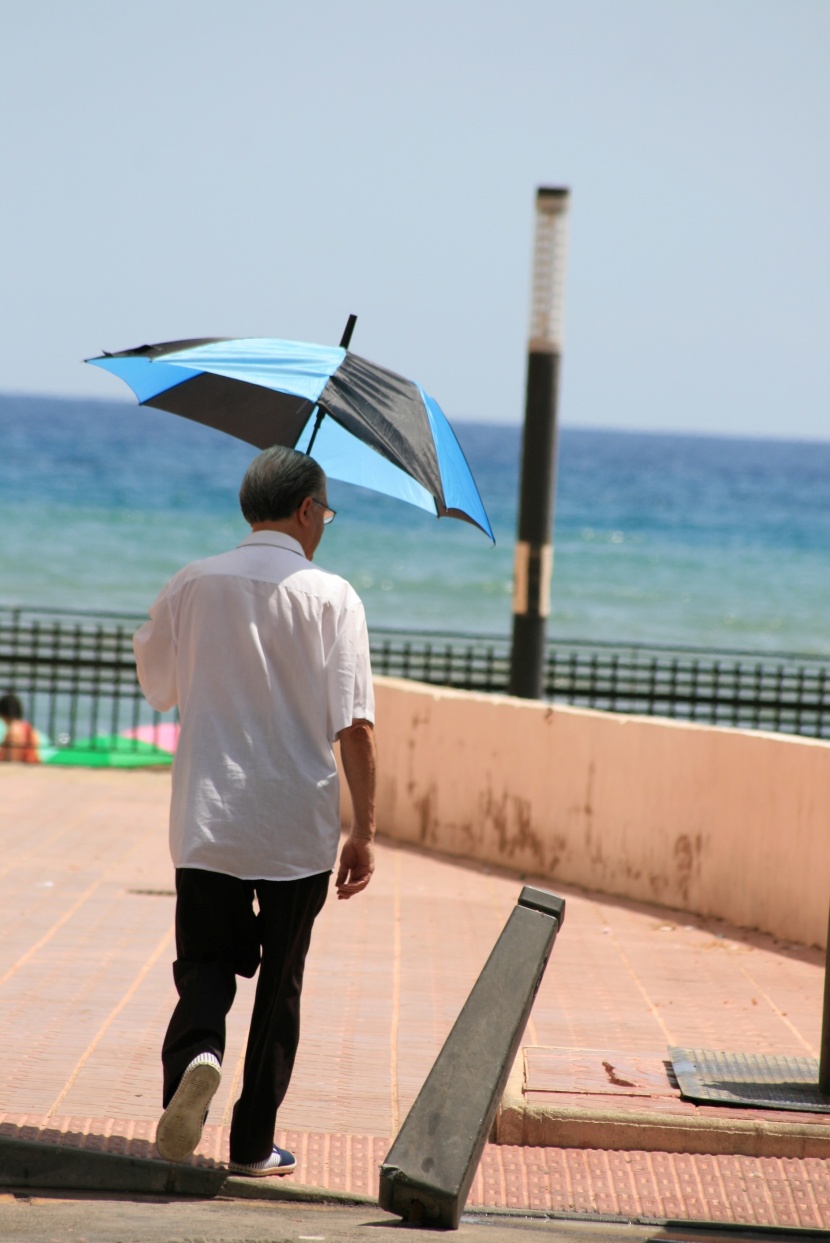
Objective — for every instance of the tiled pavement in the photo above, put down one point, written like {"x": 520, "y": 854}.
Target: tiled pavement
{"x": 85, "y": 991}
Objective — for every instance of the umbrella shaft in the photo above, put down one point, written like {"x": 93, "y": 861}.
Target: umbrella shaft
{"x": 320, "y": 416}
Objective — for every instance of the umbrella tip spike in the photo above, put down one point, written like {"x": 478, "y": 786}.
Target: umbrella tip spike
{"x": 345, "y": 340}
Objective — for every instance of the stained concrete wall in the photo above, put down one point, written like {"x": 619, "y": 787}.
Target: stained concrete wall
{"x": 714, "y": 821}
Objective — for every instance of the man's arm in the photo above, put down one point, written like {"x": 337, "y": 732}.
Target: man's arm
{"x": 357, "y": 858}
{"x": 155, "y": 656}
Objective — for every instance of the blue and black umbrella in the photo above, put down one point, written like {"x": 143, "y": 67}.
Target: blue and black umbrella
{"x": 366, "y": 425}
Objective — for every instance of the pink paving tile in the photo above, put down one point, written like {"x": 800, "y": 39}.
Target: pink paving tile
{"x": 86, "y": 989}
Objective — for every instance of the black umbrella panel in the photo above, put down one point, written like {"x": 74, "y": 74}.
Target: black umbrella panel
{"x": 383, "y": 431}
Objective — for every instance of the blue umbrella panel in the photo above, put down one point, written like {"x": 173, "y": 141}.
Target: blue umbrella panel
{"x": 383, "y": 431}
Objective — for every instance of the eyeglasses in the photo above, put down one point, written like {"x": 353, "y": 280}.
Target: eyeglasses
{"x": 329, "y": 515}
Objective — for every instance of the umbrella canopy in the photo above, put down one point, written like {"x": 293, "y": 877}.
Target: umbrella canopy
{"x": 384, "y": 432}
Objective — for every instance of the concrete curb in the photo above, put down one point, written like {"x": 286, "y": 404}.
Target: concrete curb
{"x": 57, "y": 1167}
{"x": 25, "y": 1163}
{"x": 284, "y": 1189}
{"x": 549, "y": 1126}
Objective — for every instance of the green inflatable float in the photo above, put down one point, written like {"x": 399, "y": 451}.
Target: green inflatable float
{"x": 107, "y": 751}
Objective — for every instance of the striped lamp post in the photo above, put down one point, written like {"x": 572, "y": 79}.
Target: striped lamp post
{"x": 533, "y": 564}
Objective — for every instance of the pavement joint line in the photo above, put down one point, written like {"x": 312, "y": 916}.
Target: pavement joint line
{"x": 110, "y": 1019}
{"x": 67, "y": 915}
{"x": 655, "y": 1013}
{"x": 776, "y": 1010}
{"x": 47, "y": 936}
{"x": 227, "y": 1113}
{"x": 396, "y": 999}
{"x": 20, "y": 860}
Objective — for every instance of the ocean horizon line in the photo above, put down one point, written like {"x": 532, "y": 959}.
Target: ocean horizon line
{"x": 472, "y": 420}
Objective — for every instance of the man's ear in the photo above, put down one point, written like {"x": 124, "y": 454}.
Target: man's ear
{"x": 304, "y": 509}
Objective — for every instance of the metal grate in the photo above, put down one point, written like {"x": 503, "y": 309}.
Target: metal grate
{"x": 756, "y": 1081}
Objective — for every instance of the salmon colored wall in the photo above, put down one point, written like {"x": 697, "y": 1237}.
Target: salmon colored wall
{"x": 714, "y": 821}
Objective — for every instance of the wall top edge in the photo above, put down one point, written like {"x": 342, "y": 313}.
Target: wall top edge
{"x": 614, "y": 720}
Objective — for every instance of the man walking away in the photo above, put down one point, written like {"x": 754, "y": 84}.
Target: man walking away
{"x": 267, "y": 657}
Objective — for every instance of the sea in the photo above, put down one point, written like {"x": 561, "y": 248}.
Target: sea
{"x": 682, "y": 540}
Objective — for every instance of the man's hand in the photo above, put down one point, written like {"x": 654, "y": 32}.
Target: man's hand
{"x": 357, "y": 858}
{"x": 357, "y": 863}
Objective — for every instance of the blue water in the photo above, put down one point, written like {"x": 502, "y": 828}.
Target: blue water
{"x": 659, "y": 538}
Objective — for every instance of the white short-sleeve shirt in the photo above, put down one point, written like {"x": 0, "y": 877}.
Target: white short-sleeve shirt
{"x": 267, "y": 657}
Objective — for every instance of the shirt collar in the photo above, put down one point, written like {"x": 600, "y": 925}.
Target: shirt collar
{"x": 276, "y": 539}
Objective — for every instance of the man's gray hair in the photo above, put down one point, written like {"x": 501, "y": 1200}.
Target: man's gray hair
{"x": 277, "y": 482}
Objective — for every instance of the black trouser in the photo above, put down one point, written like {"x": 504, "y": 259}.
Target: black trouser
{"x": 218, "y": 936}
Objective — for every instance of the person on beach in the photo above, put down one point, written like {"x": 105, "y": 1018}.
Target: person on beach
{"x": 267, "y": 657}
{"x": 21, "y": 741}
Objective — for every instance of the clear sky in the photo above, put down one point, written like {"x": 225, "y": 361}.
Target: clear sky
{"x": 187, "y": 168}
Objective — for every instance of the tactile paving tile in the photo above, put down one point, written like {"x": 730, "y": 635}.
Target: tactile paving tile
{"x": 759, "y": 1081}
{"x": 749, "y": 1191}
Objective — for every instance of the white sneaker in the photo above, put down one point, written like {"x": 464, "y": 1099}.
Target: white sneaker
{"x": 280, "y": 1162}
{"x": 180, "y": 1126}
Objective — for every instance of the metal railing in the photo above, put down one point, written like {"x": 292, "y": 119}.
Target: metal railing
{"x": 781, "y": 692}
{"x": 468, "y": 662}
{"x": 75, "y": 674}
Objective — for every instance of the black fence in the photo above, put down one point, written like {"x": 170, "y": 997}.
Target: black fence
{"x": 75, "y": 674}
{"x": 747, "y": 690}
